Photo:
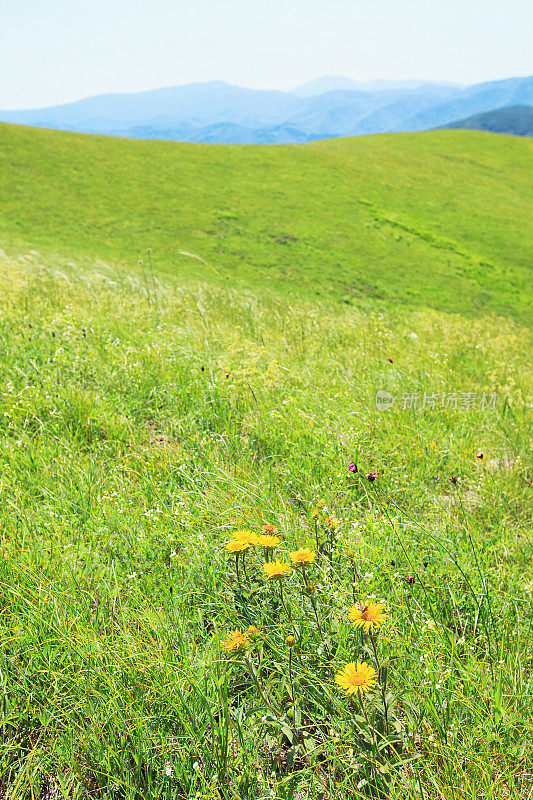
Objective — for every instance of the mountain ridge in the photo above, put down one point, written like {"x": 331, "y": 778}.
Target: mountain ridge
{"x": 194, "y": 112}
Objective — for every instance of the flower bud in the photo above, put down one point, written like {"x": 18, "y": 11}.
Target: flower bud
{"x": 290, "y": 641}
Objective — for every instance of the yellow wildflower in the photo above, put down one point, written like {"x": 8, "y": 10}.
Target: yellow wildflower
{"x": 235, "y": 642}
{"x": 369, "y": 618}
{"x": 276, "y": 569}
{"x": 302, "y": 556}
{"x": 269, "y": 529}
{"x": 360, "y": 677}
{"x": 236, "y": 546}
{"x": 267, "y": 541}
{"x": 247, "y": 536}
{"x": 333, "y": 522}
{"x": 290, "y": 641}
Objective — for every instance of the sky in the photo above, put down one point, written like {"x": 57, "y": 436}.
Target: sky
{"x": 56, "y": 51}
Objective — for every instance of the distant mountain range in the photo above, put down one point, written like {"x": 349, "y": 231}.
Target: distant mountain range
{"x": 515, "y": 120}
{"x": 219, "y": 112}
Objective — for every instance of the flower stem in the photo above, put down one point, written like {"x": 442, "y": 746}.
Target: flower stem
{"x": 244, "y": 566}
{"x": 382, "y": 682}
{"x": 283, "y": 601}
{"x": 312, "y": 600}
{"x": 255, "y": 679}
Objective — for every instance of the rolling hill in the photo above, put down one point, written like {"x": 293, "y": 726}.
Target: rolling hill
{"x": 219, "y": 112}
{"x": 515, "y": 120}
{"x": 430, "y": 219}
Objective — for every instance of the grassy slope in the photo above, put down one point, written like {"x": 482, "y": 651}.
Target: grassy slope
{"x": 125, "y": 468}
{"x": 436, "y": 219}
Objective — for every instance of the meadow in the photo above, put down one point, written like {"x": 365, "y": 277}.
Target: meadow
{"x": 438, "y": 219}
{"x": 158, "y": 422}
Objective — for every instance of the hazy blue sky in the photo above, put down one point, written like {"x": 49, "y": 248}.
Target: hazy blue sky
{"x": 53, "y": 51}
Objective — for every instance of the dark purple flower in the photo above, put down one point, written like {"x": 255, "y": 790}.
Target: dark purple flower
{"x": 479, "y": 454}
{"x": 410, "y": 580}
{"x": 389, "y": 360}
{"x": 454, "y": 479}
{"x": 371, "y": 476}
{"x": 393, "y": 563}
{"x": 352, "y": 467}
{"x": 202, "y": 368}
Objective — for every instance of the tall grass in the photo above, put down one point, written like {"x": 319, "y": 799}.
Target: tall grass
{"x": 141, "y": 428}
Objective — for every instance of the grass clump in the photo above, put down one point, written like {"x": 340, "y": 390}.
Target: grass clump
{"x": 145, "y": 426}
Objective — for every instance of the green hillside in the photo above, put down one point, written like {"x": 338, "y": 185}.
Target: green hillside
{"x": 428, "y": 219}
{"x": 513, "y": 120}
{"x": 140, "y": 431}
{"x": 153, "y": 421}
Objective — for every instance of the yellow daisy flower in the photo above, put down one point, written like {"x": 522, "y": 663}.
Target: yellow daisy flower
{"x": 369, "y": 618}
{"x": 302, "y": 556}
{"x": 269, "y": 529}
{"x": 236, "y": 546}
{"x": 353, "y": 678}
{"x": 315, "y": 514}
{"x": 251, "y": 632}
{"x": 246, "y": 536}
{"x": 276, "y": 569}
{"x": 267, "y": 541}
{"x": 235, "y": 642}
{"x": 333, "y": 522}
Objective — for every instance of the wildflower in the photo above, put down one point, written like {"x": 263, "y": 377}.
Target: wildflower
{"x": 352, "y": 467}
{"x": 236, "y": 546}
{"x": 410, "y": 580}
{"x": 202, "y": 368}
{"x": 371, "y": 476}
{"x": 251, "y": 632}
{"x": 353, "y": 678}
{"x": 290, "y": 641}
{"x": 315, "y": 514}
{"x": 267, "y": 541}
{"x": 333, "y": 522}
{"x": 321, "y": 502}
{"x": 369, "y": 618}
{"x": 479, "y": 455}
{"x": 453, "y": 479}
{"x": 269, "y": 529}
{"x": 277, "y": 569}
{"x": 235, "y": 642}
{"x": 302, "y": 556}
{"x": 247, "y": 536}
{"x": 226, "y": 374}
{"x": 168, "y": 770}
{"x": 389, "y": 360}
{"x": 310, "y": 588}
